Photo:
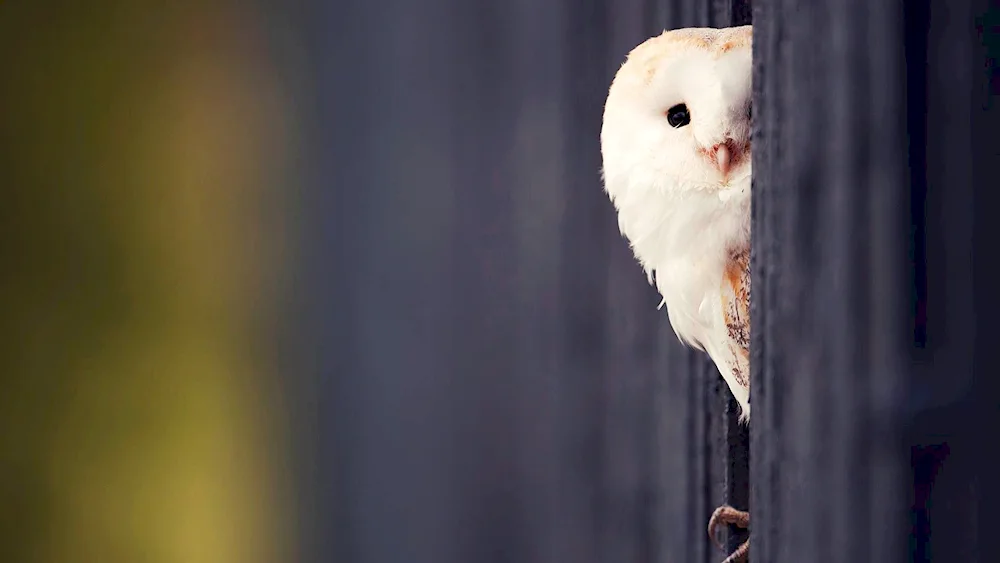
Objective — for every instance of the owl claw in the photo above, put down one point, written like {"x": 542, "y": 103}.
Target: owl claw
{"x": 726, "y": 514}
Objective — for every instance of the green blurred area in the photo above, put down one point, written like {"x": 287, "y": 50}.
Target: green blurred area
{"x": 144, "y": 152}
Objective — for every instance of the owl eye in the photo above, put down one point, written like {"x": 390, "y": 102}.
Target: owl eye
{"x": 678, "y": 116}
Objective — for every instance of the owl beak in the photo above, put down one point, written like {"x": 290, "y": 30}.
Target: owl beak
{"x": 723, "y": 158}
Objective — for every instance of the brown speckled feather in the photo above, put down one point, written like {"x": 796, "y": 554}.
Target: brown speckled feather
{"x": 736, "y": 312}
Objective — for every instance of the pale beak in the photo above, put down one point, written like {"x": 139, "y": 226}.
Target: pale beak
{"x": 722, "y": 158}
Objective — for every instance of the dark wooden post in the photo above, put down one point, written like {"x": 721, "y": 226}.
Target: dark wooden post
{"x": 873, "y": 382}
{"x": 831, "y": 272}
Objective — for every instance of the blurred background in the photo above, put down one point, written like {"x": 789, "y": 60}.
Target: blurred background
{"x": 148, "y": 181}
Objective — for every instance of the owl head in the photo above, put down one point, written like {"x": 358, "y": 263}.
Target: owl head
{"x": 677, "y": 117}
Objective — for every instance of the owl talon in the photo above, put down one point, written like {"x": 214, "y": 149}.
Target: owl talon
{"x": 726, "y": 514}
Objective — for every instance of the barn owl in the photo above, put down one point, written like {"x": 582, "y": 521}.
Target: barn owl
{"x": 675, "y": 144}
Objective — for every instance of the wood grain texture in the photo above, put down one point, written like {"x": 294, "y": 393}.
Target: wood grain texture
{"x": 864, "y": 355}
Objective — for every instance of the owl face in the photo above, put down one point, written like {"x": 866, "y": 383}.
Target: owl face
{"x": 677, "y": 118}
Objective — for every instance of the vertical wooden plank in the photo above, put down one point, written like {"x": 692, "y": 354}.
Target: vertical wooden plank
{"x": 769, "y": 103}
{"x": 985, "y": 109}
{"x": 955, "y": 384}
{"x": 829, "y": 262}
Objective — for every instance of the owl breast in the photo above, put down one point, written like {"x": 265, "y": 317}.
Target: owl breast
{"x": 696, "y": 246}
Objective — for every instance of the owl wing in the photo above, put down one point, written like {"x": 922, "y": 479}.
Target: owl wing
{"x": 735, "y": 296}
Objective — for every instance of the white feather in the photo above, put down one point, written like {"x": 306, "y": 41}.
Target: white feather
{"x": 680, "y": 214}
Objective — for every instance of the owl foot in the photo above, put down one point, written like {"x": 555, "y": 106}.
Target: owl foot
{"x": 726, "y": 514}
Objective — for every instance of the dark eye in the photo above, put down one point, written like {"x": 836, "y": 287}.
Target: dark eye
{"x": 678, "y": 116}
{"x": 749, "y": 111}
